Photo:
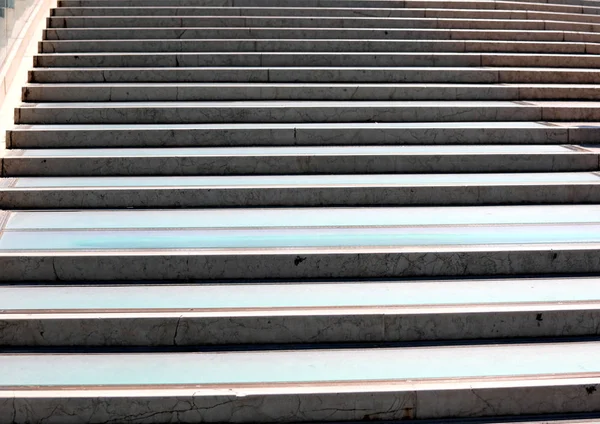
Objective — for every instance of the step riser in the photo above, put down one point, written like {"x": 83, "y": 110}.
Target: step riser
{"x": 320, "y": 406}
{"x": 314, "y": 59}
{"x": 310, "y": 12}
{"x": 138, "y": 265}
{"x": 259, "y": 60}
{"x": 238, "y": 45}
{"x": 309, "y": 22}
{"x": 365, "y": 195}
{"x": 292, "y": 113}
{"x": 56, "y": 138}
{"x": 190, "y": 93}
{"x": 314, "y": 75}
{"x": 20, "y": 166}
{"x": 510, "y": 5}
{"x": 310, "y": 33}
{"x": 308, "y": 114}
{"x": 111, "y": 330}
{"x": 311, "y": 75}
{"x": 548, "y": 7}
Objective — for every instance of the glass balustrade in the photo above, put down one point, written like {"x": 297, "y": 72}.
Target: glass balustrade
{"x": 13, "y": 16}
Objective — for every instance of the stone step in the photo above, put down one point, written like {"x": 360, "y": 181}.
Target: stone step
{"x": 82, "y": 34}
{"x": 307, "y": 21}
{"x": 331, "y": 59}
{"x": 277, "y": 91}
{"x": 173, "y": 314}
{"x": 303, "y": 385}
{"x": 457, "y": 13}
{"x": 297, "y": 160}
{"x": 300, "y": 190}
{"x": 321, "y": 75}
{"x": 182, "y": 12}
{"x": 301, "y": 243}
{"x": 281, "y": 134}
{"x": 313, "y": 22}
{"x": 311, "y": 45}
{"x": 318, "y": 4}
{"x": 302, "y": 112}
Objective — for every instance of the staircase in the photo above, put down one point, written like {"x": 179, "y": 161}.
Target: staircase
{"x": 285, "y": 211}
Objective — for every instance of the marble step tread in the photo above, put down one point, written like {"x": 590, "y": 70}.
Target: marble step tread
{"x": 139, "y": 92}
{"x": 291, "y": 312}
{"x": 303, "y": 384}
{"x": 316, "y": 45}
{"x": 318, "y": 4}
{"x": 302, "y": 112}
{"x": 300, "y": 190}
{"x": 278, "y": 134}
{"x": 310, "y": 21}
{"x": 331, "y": 59}
{"x": 308, "y": 312}
{"x": 296, "y": 160}
{"x": 316, "y": 75}
{"x": 444, "y": 13}
{"x": 330, "y": 243}
{"x": 84, "y": 34}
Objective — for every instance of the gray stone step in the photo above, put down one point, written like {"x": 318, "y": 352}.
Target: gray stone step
{"x": 302, "y": 111}
{"x": 320, "y": 75}
{"x": 291, "y": 312}
{"x": 432, "y": 4}
{"x": 281, "y": 134}
{"x": 304, "y": 385}
{"x": 331, "y": 59}
{"x": 278, "y": 91}
{"x": 299, "y": 190}
{"x": 305, "y": 21}
{"x": 81, "y": 34}
{"x": 319, "y": 243}
{"x": 312, "y": 22}
{"x": 296, "y": 160}
{"x": 457, "y": 12}
{"x": 310, "y": 45}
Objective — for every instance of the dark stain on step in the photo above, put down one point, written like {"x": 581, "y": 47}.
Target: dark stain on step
{"x": 299, "y": 260}
{"x": 539, "y": 319}
{"x": 590, "y": 389}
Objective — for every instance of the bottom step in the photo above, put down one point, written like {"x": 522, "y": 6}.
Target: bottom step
{"x": 301, "y": 385}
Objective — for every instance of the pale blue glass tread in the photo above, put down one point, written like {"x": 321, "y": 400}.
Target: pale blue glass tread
{"x": 297, "y": 151}
{"x": 470, "y": 362}
{"x": 299, "y": 217}
{"x": 275, "y": 239}
{"x": 551, "y": 292}
{"x": 300, "y": 181}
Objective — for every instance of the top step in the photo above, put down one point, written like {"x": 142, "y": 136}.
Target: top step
{"x": 481, "y": 4}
